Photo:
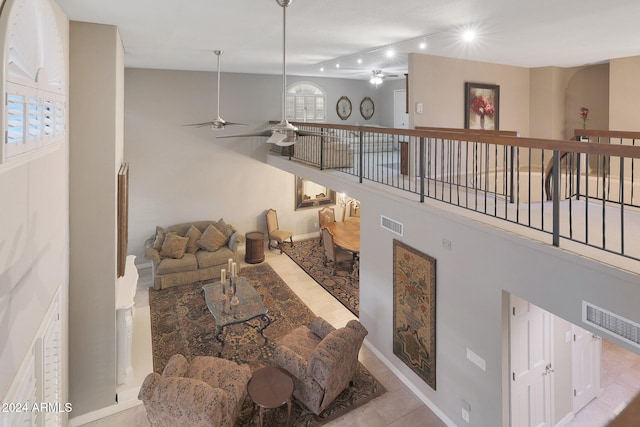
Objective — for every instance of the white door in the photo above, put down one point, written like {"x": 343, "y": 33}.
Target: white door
{"x": 530, "y": 362}
{"x": 586, "y": 351}
{"x": 400, "y": 116}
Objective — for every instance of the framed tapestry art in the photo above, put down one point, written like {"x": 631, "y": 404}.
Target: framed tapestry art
{"x": 482, "y": 106}
{"x": 414, "y": 310}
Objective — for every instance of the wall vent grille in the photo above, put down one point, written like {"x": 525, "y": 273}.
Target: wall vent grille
{"x": 391, "y": 225}
{"x": 625, "y": 329}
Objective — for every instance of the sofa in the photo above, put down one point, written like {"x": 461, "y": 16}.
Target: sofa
{"x": 335, "y": 153}
{"x": 206, "y": 392}
{"x": 192, "y": 251}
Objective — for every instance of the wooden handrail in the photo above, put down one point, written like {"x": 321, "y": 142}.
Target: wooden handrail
{"x": 607, "y": 133}
{"x": 569, "y": 146}
{"x": 471, "y": 131}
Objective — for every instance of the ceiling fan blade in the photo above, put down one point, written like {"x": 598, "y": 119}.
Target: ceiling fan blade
{"x": 309, "y": 133}
{"x": 201, "y": 124}
{"x": 260, "y": 133}
{"x": 276, "y": 138}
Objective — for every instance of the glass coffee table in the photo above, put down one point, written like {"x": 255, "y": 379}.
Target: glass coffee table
{"x": 249, "y": 306}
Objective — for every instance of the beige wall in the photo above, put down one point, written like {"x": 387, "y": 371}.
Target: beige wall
{"x": 438, "y": 83}
{"x": 96, "y": 152}
{"x": 624, "y": 93}
{"x": 587, "y": 87}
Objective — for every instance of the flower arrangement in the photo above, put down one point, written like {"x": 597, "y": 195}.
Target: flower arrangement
{"x": 482, "y": 106}
{"x": 584, "y": 114}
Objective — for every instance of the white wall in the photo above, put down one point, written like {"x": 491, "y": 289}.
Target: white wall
{"x": 180, "y": 174}
{"x": 34, "y": 254}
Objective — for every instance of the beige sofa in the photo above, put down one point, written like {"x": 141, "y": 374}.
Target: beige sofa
{"x": 335, "y": 153}
{"x": 191, "y": 252}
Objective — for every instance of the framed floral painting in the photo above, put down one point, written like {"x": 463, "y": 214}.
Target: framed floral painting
{"x": 482, "y": 106}
{"x": 414, "y": 310}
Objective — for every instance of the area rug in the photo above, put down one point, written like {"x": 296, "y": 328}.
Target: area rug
{"x": 345, "y": 288}
{"x": 181, "y": 323}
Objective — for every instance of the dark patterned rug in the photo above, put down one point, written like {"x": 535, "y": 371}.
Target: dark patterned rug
{"x": 345, "y": 288}
{"x": 181, "y": 323}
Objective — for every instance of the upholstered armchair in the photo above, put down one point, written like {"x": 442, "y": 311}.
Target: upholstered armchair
{"x": 209, "y": 391}
{"x": 321, "y": 359}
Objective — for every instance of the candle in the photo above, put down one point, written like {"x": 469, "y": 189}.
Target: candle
{"x": 223, "y": 275}
{"x": 234, "y": 271}
{"x": 229, "y": 264}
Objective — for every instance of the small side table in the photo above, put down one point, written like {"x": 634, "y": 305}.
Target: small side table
{"x": 270, "y": 388}
{"x": 254, "y": 249}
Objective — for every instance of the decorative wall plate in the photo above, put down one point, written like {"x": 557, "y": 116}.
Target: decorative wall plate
{"x": 343, "y": 107}
{"x": 367, "y": 108}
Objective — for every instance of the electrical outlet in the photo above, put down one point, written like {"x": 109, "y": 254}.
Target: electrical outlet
{"x": 465, "y": 415}
{"x": 315, "y": 224}
{"x": 466, "y": 409}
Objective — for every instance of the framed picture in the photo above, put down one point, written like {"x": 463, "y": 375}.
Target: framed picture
{"x": 481, "y": 106}
{"x": 309, "y": 194}
{"x": 123, "y": 217}
{"x": 414, "y": 310}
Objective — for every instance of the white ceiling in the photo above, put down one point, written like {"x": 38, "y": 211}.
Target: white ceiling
{"x": 183, "y": 34}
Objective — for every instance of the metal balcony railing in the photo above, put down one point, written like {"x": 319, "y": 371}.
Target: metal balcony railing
{"x": 498, "y": 174}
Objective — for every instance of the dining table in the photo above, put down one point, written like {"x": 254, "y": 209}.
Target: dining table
{"x": 346, "y": 235}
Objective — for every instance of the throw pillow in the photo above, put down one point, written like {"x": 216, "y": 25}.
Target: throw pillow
{"x": 193, "y": 235}
{"x": 160, "y": 234}
{"x": 225, "y": 229}
{"x": 212, "y": 239}
{"x": 173, "y": 246}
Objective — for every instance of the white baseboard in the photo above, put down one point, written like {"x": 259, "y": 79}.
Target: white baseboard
{"x": 566, "y": 419}
{"x": 126, "y": 400}
{"x": 419, "y": 394}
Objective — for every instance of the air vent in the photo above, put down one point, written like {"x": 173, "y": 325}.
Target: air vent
{"x": 625, "y": 329}
{"x": 391, "y": 225}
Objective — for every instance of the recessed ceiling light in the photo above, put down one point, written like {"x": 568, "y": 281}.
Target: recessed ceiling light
{"x": 390, "y": 53}
{"x": 359, "y": 60}
{"x": 469, "y": 35}
{"x": 322, "y": 69}
{"x": 423, "y": 44}
{"x": 337, "y": 65}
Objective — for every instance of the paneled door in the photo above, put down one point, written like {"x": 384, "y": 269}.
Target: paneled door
{"x": 530, "y": 363}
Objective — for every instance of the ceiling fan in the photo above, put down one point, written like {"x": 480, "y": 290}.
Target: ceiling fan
{"x": 284, "y": 133}
{"x": 218, "y": 123}
{"x": 377, "y": 76}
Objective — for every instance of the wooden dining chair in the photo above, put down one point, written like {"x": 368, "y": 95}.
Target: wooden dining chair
{"x": 325, "y": 216}
{"x": 332, "y": 253}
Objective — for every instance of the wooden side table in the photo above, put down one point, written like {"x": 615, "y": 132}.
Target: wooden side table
{"x": 254, "y": 249}
{"x": 270, "y": 388}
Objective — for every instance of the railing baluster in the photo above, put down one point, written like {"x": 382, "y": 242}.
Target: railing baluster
{"x": 422, "y": 168}
{"x": 556, "y": 198}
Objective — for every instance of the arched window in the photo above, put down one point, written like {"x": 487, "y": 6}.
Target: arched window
{"x": 306, "y": 102}
{"x": 34, "y": 78}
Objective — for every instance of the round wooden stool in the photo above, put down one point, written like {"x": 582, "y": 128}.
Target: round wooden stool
{"x": 254, "y": 249}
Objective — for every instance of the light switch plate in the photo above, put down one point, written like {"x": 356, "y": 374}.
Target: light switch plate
{"x": 476, "y": 360}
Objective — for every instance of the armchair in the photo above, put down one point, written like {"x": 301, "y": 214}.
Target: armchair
{"x": 208, "y": 392}
{"x": 322, "y": 360}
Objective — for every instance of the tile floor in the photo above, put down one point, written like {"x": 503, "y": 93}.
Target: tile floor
{"x": 398, "y": 407}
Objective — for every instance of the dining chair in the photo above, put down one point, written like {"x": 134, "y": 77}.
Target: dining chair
{"x": 325, "y": 216}
{"x": 354, "y": 208}
{"x": 274, "y": 232}
{"x": 332, "y": 253}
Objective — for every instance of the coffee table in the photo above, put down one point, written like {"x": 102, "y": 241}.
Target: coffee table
{"x": 249, "y": 307}
{"x": 270, "y": 388}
